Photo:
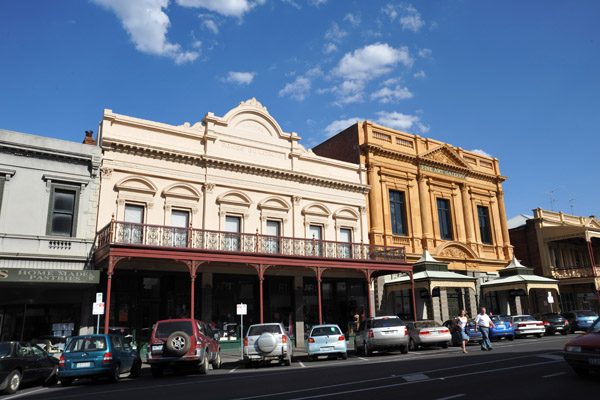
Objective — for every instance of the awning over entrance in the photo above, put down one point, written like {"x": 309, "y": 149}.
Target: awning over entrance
{"x": 519, "y": 277}
{"x": 431, "y": 274}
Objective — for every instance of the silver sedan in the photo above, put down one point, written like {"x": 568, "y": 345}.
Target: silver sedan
{"x": 428, "y": 333}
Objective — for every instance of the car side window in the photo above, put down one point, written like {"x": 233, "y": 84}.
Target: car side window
{"x": 116, "y": 341}
{"x": 37, "y": 351}
{"x": 209, "y": 331}
{"x": 201, "y": 329}
{"x": 26, "y": 351}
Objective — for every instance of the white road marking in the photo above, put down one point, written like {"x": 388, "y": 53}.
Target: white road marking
{"x": 233, "y": 370}
{"x": 551, "y": 375}
{"x": 14, "y": 396}
{"x": 451, "y": 397}
{"x": 415, "y": 377}
{"x": 362, "y": 358}
{"x": 551, "y": 356}
{"x": 302, "y": 364}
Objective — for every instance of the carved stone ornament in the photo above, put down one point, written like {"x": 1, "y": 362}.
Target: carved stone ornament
{"x": 253, "y": 103}
{"x": 106, "y": 172}
{"x": 440, "y": 156}
{"x": 363, "y": 210}
{"x": 297, "y": 199}
{"x": 454, "y": 252}
{"x": 208, "y": 187}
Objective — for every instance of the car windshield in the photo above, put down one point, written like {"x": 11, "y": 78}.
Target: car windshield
{"x": 496, "y": 319}
{"x": 586, "y": 314}
{"x": 5, "y": 349}
{"x": 427, "y": 324}
{"x": 386, "y": 322}
{"x": 595, "y": 328}
{"x": 164, "y": 329}
{"x": 258, "y": 330}
{"x": 86, "y": 343}
{"x": 325, "y": 331}
{"x": 524, "y": 318}
{"x": 552, "y": 317}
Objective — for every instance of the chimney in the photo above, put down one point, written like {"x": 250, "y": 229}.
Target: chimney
{"x": 89, "y": 139}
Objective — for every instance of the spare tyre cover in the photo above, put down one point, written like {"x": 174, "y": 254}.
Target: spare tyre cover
{"x": 267, "y": 342}
{"x": 178, "y": 343}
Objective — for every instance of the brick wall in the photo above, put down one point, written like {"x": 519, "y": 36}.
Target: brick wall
{"x": 343, "y": 146}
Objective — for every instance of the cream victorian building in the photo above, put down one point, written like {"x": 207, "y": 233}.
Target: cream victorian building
{"x": 429, "y": 195}
{"x": 197, "y": 218}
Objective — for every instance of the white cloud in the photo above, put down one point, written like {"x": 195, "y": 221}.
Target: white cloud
{"x": 241, "y": 78}
{"x": 353, "y": 19}
{"x": 147, "y": 25}
{"x": 407, "y": 15}
{"x": 425, "y": 53}
{"x": 298, "y": 89}
{"x": 481, "y": 153}
{"x": 338, "y": 126}
{"x": 350, "y": 91}
{"x": 388, "y": 95}
{"x": 372, "y": 61}
{"x": 292, "y": 3}
{"x": 420, "y": 74}
{"x": 211, "y": 25}
{"x": 329, "y": 48}
{"x": 403, "y": 122}
{"x": 317, "y": 3}
{"x": 334, "y": 35}
{"x": 228, "y": 8}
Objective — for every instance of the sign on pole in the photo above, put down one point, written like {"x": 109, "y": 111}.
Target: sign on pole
{"x": 98, "y": 309}
{"x": 242, "y": 309}
{"x": 99, "y": 297}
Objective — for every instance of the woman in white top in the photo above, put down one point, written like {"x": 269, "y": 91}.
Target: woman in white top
{"x": 461, "y": 322}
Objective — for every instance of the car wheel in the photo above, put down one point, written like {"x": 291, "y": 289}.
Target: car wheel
{"x": 135, "y": 369}
{"x": 14, "y": 382}
{"x": 178, "y": 343}
{"x": 344, "y": 356}
{"x": 412, "y": 346}
{"x": 445, "y": 345}
{"x": 66, "y": 382}
{"x": 53, "y": 377}
{"x": 157, "y": 372}
{"x": 288, "y": 360}
{"x": 538, "y": 335}
{"x": 204, "y": 364}
{"x": 356, "y": 348}
{"x": 368, "y": 351}
{"x": 511, "y": 337}
{"x": 116, "y": 375}
{"x": 404, "y": 350}
{"x": 217, "y": 363}
{"x": 564, "y": 332}
{"x": 247, "y": 364}
{"x": 312, "y": 358}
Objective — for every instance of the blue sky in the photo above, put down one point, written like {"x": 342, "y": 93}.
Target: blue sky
{"x": 518, "y": 80}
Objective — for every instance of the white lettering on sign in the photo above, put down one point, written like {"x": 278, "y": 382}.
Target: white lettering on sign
{"x": 253, "y": 150}
{"x": 242, "y": 309}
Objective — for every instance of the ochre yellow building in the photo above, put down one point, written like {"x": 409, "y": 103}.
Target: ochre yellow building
{"x": 429, "y": 195}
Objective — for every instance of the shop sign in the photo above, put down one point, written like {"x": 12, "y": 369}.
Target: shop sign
{"x": 49, "y": 275}
{"x": 442, "y": 171}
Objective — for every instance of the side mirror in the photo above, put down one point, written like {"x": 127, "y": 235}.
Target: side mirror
{"x": 216, "y": 336}
{"x": 134, "y": 347}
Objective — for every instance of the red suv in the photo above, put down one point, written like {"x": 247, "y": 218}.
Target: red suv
{"x": 183, "y": 344}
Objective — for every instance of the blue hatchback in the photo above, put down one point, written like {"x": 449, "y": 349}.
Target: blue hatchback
{"x": 580, "y": 320}
{"x": 502, "y": 328}
{"x": 326, "y": 340}
{"x": 97, "y": 356}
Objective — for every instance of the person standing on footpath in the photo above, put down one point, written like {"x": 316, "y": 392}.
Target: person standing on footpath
{"x": 484, "y": 323}
{"x": 461, "y": 322}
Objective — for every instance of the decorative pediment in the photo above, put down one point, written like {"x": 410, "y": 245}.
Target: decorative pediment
{"x": 182, "y": 190}
{"x": 316, "y": 209}
{"x": 445, "y": 156}
{"x": 234, "y": 197}
{"x": 455, "y": 250}
{"x": 136, "y": 184}
{"x": 346, "y": 213}
{"x": 274, "y": 203}
{"x": 593, "y": 223}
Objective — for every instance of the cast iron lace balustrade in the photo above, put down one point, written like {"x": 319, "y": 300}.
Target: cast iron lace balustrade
{"x": 574, "y": 272}
{"x": 126, "y": 233}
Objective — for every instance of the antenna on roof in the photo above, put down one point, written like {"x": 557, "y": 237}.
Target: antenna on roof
{"x": 552, "y": 200}
{"x": 571, "y": 204}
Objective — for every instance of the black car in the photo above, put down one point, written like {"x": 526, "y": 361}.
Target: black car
{"x": 22, "y": 362}
{"x": 554, "y": 322}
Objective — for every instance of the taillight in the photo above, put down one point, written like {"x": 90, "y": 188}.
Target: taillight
{"x": 245, "y": 342}
{"x": 341, "y": 338}
{"x": 405, "y": 331}
{"x": 566, "y": 321}
{"x": 424, "y": 333}
{"x": 311, "y": 340}
{"x": 107, "y": 358}
{"x": 283, "y": 339}
{"x": 546, "y": 323}
{"x": 371, "y": 334}
{"x": 510, "y": 324}
{"x": 445, "y": 331}
{"x": 62, "y": 361}
{"x": 521, "y": 325}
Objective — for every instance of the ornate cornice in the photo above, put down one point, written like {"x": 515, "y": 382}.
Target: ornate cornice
{"x": 45, "y": 154}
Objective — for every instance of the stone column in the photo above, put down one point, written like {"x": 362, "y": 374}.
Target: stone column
{"x": 470, "y": 303}
{"x": 436, "y": 308}
{"x": 468, "y": 213}
{"x": 298, "y": 290}
{"x": 504, "y": 224}
{"x": 444, "y": 305}
{"x": 375, "y": 211}
{"x": 425, "y": 212}
{"x": 207, "y": 283}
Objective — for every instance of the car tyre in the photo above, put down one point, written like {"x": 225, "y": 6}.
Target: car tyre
{"x": 412, "y": 346}
{"x": 511, "y": 337}
{"x": 14, "y": 382}
{"x": 356, "y": 348}
{"x": 53, "y": 377}
{"x": 157, "y": 372}
{"x": 538, "y": 335}
{"x": 564, "y": 333}
{"x": 178, "y": 343}
{"x": 204, "y": 364}
{"x": 368, "y": 351}
{"x": 116, "y": 375}
{"x": 217, "y": 363}
{"x": 445, "y": 345}
{"x": 288, "y": 360}
{"x": 404, "y": 349}
{"x": 247, "y": 364}
{"x": 344, "y": 356}
{"x": 65, "y": 382}
{"x": 136, "y": 368}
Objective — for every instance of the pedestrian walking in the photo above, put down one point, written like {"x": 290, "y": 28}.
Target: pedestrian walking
{"x": 461, "y": 322}
{"x": 483, "y": 323}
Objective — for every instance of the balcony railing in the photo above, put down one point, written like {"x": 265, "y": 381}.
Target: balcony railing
{"x": 124, "y": 233}
{"x": 574, "y": 272}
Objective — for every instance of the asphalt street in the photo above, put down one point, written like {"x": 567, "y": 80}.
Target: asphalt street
{"x": 527, "y": 368}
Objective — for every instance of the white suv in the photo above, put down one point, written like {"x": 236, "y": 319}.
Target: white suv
{"x": 267, "y": 342}
{"x": 381, "y": 333}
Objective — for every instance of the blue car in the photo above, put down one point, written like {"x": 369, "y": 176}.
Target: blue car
{"x": 502, "y": 328}
{"x": 474, "y": 336}
{"x": 326, "y": 340}
{"x": 93, "y": 356}
{"x": 580, "y": 320}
